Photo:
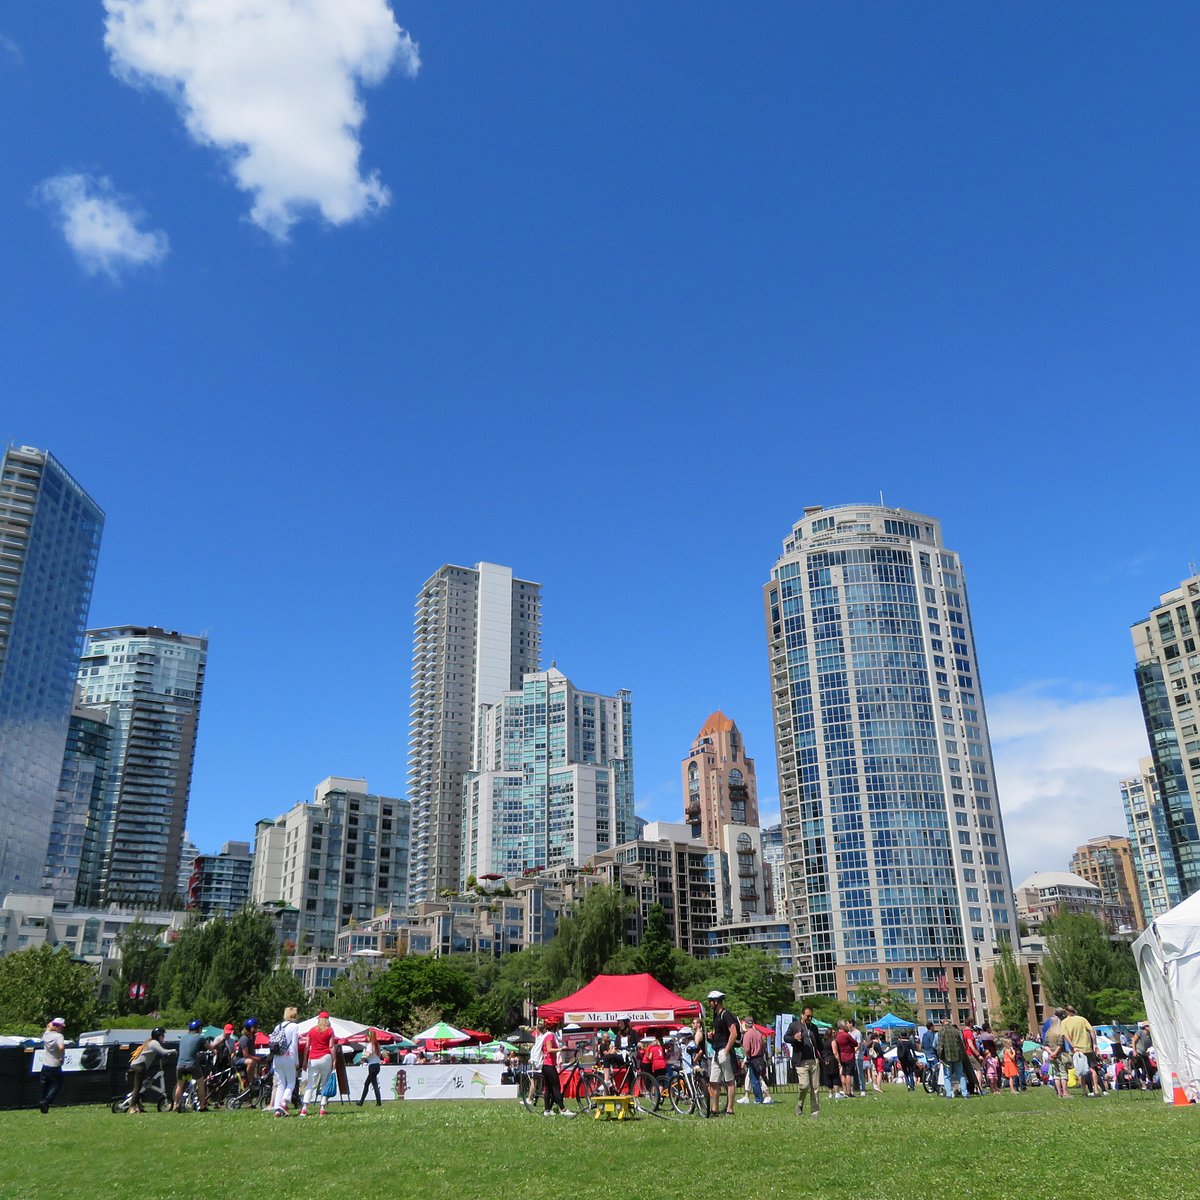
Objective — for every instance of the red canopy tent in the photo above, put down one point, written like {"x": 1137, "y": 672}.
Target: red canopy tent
{"x": 611, "y": 998}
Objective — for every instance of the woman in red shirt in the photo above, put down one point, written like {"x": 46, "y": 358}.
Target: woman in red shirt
{"x": 546, "y": 1048}
{"x": 321, "y": 1042}
{"x": 846, "y": 1047}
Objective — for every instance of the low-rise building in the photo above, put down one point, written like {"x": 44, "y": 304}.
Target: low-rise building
{"x": 1051, "y": 893}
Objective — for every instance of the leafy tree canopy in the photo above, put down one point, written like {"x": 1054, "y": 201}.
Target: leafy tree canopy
{"x": 45, "y": 982}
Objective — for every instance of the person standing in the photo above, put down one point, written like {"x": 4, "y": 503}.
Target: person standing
{"x": 372, "y": 1058}
{"x": 54, "y": 1052}
{"x": 929, "y": 1048}
{"x": 1079, "y": 1032}
{"x": 723, "y": 1069}
{"x": 321, "y": 1048}
{"x": 1060, "y": 1056}
{"x": 906, "y": 1057}
{"x": 285, "y": 1052}
{"x": 804, "y": 1039}
{"x": 191, "y": 1046}
{"x": 1143, "y": 1043}
{"x": 1010, "y": 1065}
{"x": 545, "y": 1050}
{"x": 754, "y": 1046}
{"x": 145, "y": 1061}
{"x": 952, "y": 1053}
{"x": 859, "y": 1047}
{"x": 846, "y": 1048}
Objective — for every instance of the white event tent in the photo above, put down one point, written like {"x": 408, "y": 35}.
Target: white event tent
{"x": 1168, "y": 962}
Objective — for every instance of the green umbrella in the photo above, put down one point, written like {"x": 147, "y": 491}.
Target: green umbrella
{"x": 1028, "y": 1046}
{"x": 441, "y": 1032}
{"x": 211, "y": 1031}
{"x": 499, "y": 1044}
{"x": 821, "y": 1024}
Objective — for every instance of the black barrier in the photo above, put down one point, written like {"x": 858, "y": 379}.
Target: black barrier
{"x": 21, "y": 1086}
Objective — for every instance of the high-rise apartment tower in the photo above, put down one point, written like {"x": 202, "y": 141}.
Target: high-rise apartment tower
{"x": 894, "y": 847}
{"x": 553, "y": 782}
{"x": 477, "y": 634}
{"x": 1168, "y": 677}
{"x": 49, "y": 541}
{"x": 1149, "y": 837}
{"x": 150, "y": 682}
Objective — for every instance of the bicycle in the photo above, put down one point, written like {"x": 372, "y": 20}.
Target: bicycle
{"x": 154, "y": 1091}
{"x": 645, "y": 1089}
{"x": 688, "y": 1092}
{"x": 256, "y": 1091}
{"x": 578, "y": 1083}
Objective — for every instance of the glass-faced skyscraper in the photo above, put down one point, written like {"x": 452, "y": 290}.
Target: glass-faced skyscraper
{"x": 896, "y": 866}
{"x": 1168, "y": 679}
{"x": 49, "y": 541}
{"x": 553, "y": 778}
{"x": 150, "y": 682}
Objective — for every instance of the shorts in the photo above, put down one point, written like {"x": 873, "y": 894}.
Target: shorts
{"x": 1060, "y": 1064}
{"x": 721, "y": 1069}
{"x": 186, "y": 1071}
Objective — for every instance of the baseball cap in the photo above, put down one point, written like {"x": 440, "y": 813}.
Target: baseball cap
{"x": 322, "y": 1014}
{"x": 228, "y": 1029}
{"x": 59, "y": 1021}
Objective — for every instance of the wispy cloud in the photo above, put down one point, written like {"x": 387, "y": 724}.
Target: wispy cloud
{"x": 1061, "y": 751}
{"x": 275, "y": 86}
{"x": 100, "y": 226}
{"x": 11, "y": 51}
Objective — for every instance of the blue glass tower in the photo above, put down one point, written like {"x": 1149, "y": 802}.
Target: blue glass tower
{"x": 49, "y": 541}
{"x": 897, "y": 874}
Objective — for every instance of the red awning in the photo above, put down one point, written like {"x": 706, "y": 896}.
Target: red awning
{"x": 611, "y": 998}
{"x": 473, "y": 1035}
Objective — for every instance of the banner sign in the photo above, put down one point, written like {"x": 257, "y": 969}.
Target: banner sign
{"x": 643, "y": 1016}
{"x": 434, "y": 1081}
{"x": 81, "y": 1058}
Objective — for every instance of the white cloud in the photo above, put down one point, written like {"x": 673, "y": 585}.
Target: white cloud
{"x": 10, "y": 50}
{"x": 1060, "y": 754}
{"x": 275, "y": 85}
{"x": 100, "y": 226}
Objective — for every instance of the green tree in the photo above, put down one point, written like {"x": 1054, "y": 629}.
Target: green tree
{"x": 1010, "y": 989}
{"x": 1080, "y": 962}
{"x": 1121, "y": 1006}
{"x": 753, "y": 984}
{"x": 45, "y": 982}
{"x": 415, "y": 983}
{"x": 185, "y": 970}
{"x": 142, "y": 955}
{"x": 350, "y": 996}
{"x": 874, "y": 1001}
{"x": 655, "y": 951}
{"x": 588, "y": 937}
{"x": 273, "y": 993}
{"x": 242, "y": 961}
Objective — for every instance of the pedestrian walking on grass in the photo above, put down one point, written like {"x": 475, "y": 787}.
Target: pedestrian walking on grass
{"x": 54, "y": 1052}
{"x": 372, "y": 1058}
{"x": 286, "y": 1037}
{"x": 804, "y": 1040}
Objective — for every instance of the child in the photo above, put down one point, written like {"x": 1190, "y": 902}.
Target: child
{"x": 991, "y": 1066}
{"x": 1010, "y": 1066}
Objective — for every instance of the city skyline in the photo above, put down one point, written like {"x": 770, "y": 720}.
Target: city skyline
{"x": 615, "y": 319}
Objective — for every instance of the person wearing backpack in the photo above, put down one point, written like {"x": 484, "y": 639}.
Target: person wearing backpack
{"x": 723, "y": 1069}
{"x": 144, "y": 1061}
{"x": 285, "y": 1044}
{"x": 544, "y": 1057}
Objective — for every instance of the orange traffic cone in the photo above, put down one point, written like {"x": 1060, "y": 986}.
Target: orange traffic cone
{"x": 1178, "y": 1095}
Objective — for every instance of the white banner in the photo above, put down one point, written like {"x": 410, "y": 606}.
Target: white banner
{"x": 77, "y": 1058}
{"x": 643, "y": 1016}
{"x": 434, "y": 1081}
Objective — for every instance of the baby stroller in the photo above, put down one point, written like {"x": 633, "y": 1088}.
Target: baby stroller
{"x": 154, "y": 1091}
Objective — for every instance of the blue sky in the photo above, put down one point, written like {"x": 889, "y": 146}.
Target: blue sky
{"x": 609, "y": 294}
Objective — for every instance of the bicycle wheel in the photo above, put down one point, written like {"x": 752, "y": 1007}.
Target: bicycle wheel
{"x": 119, "y": 1106}
{"x": 586, "y": 1086}
{"x": 680, "y": 1098}
{"x": 700, "y": 1085}
{"x": 233, "y": 1103}
{"x": 162, "y": 1104}
{"x": 647, "y": 1095}
{"x": 530, "y": 1092}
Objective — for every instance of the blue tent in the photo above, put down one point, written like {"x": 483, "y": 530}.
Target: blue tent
{"x": 890, "y": 1021}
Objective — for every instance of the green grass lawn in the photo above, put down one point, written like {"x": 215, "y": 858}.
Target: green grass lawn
{"x": 891, "y": 1147}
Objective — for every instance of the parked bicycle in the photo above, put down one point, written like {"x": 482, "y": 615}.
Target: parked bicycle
{"x": 579, "y": 1085}
{"x": 688, "y": 1091}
